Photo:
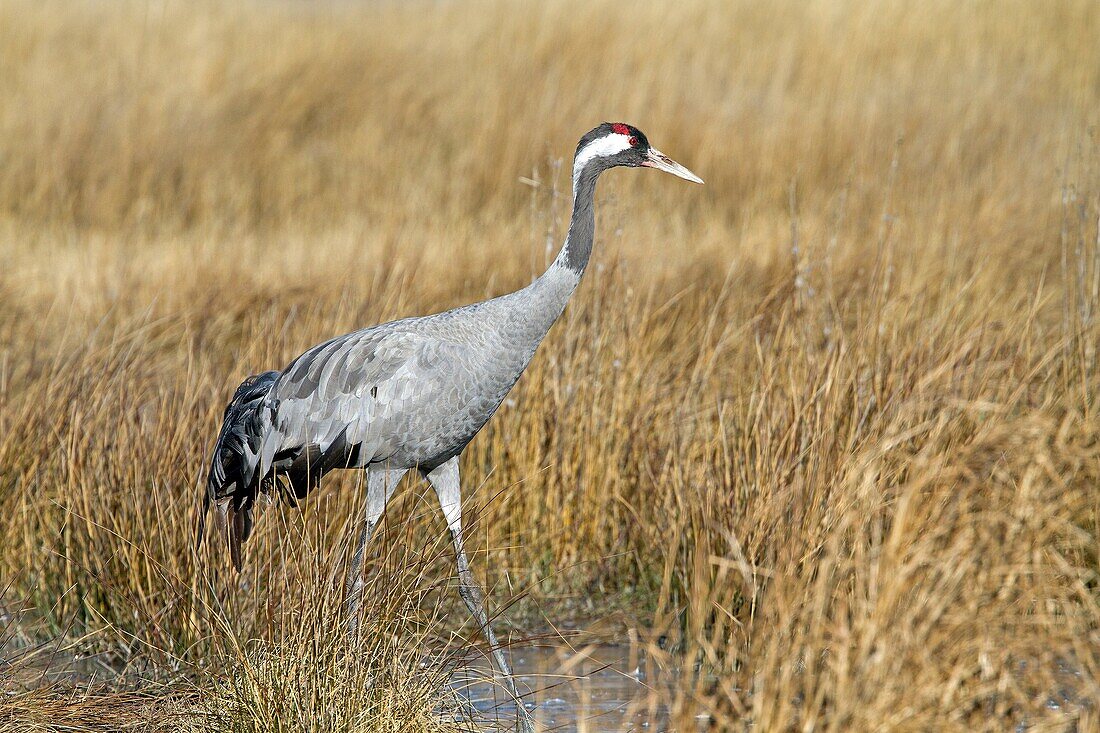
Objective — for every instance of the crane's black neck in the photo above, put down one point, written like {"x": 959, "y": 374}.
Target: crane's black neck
{"x": 577, "y": 249}
{"x": 544, "y": 300}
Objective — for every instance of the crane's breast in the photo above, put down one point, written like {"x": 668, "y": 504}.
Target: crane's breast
{"x": 432, "y": 415}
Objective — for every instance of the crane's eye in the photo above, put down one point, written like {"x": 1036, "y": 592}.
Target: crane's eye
{"x": 633, "y": 141}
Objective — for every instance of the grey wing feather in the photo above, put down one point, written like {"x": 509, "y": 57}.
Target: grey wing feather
{"x": 348, "y": 395}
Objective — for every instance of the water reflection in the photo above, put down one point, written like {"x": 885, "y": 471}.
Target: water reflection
{"x": 587, "y": 689}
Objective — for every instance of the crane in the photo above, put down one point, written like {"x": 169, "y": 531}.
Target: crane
{"x": 407, "y": 395}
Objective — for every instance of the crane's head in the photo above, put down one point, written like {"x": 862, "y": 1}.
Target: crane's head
{"x": 616, "y": 143}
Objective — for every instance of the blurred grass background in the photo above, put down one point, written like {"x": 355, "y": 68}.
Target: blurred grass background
{"x": 829, "y": 421}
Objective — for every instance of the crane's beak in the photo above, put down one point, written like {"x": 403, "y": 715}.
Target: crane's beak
{"x": 656, "y": 159}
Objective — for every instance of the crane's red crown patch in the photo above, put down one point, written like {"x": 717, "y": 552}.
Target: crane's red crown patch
{"x": 620, "y": 128}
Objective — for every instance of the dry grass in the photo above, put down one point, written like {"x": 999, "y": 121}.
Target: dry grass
{"x": 831, "y": 420}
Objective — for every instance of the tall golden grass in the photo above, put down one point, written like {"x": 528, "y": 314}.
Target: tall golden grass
{"x": 830, "y": 421}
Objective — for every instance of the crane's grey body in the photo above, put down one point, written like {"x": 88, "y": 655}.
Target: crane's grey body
{"x": 409, "y": 394}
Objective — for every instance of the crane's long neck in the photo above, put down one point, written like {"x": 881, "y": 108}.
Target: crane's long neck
{"x": 574, "y": 254}
{"x": 550, "y": 293}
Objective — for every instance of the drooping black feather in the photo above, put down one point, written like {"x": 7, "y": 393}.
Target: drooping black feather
{"x": 302, "y": 469}
{"x": 233, "y": 482}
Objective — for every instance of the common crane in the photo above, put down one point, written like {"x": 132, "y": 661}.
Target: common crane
{"x": 409, "y": 394}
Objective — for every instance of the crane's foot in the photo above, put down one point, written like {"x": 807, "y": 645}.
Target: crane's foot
{"x": 523, "y": 718}
{"x": 524, "y": 722}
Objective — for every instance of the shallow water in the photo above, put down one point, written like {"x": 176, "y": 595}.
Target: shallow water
{"x": 588, "y": 689}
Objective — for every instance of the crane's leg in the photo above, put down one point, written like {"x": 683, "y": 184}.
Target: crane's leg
{"x": 380, "y": 485}
{"x": 444, "y": 479}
